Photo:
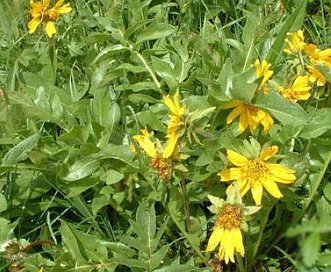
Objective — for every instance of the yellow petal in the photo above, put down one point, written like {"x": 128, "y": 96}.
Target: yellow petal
{"x": 236, "y": 159}
{"x": 243, "y": 186}
{"x": 64, "y": 9}
{"x": 50, "y": 29}
{"x": 233, "y": 114}
{"x": 257, "y": 191}
{"x": 228, "y": 244}
{"x": 170, "y": 146}
{"x": 146, "y": 144}
{"x": 244, "y": 120}
{"x": 232, "y": 104}
{"x": 214, "y": 239}
{"x": 272, "y": 188}
{"x": 281, "y": 173}
{"x": 238, "y": 239}
{"x": 269, "y": 153}
{"x": 33, "y": 24}
{"x": 230, "y": 174}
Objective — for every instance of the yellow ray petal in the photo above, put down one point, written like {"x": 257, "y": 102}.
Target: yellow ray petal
{"x": 257, "y": 191}
{"x": 50, "y": 29}
{"x": 269, "y": 153}
{"x": 236, "y": 159}
{"x": 230, "y": 174}
{"x": 272, "y": 188}
{"x": 215, "y": 238}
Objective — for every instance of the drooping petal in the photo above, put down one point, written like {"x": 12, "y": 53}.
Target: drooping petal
{"x": 214, "y": 239}
{"x": 50, "y": 29}
{"x": 234, "y": 114}
{"x": 64, "y": 9}
{"x": 238, "y": 241}
{"x": 257, "y": 191}
{"x": 170, "y": 146}
{"x": 227, "y": 243}
{"x": 33, "y": 24}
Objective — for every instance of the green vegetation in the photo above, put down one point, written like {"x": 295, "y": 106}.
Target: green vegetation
{"x": 131, "y": 131}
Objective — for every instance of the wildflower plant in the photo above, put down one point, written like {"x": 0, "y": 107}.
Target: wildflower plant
{"x": 165, "y": 136}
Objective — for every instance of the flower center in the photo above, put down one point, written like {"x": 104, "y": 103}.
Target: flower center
{"x": 163, "y": 166}
{"x": 229, "y": 217}
{"x": 255, "y": 170}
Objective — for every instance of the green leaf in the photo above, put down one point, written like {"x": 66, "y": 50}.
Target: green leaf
{"x": 70, "y": 241}
{"x": 282, "y": 109}
{"x": 293, "y": 23}
{"x": 165, "y": 71}
{"x": 98, "y": 202}
{"x": 83, "y": 168}
{"x": 310, "y": 249}
{"x": 106, "y": 112}
{"x": 17, "y": 152}
{"x": 3, "y": 203}
{"x": 155, "y": 31}
{"x": 319, "y": 123}
{"x": 113, "y": 177}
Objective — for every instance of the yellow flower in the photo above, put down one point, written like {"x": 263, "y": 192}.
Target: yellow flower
{"x": 317, "y": 55}
{"x": 42, "y": 13}
{"x": 263, "y": 70}
{"x": 164, "y": 166}
{"x": 249, "y": 116}
{"x": 227, "y": 233}
{"x": 300, "y": 89}
{"x": 316, "y": 76}
{"x": 295, "y": 42}
{"x": 256, "y": 174}
{"x": 173, "y": 130}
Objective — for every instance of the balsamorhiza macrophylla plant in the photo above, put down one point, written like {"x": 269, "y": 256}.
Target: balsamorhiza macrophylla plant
{"x": 309, "y": 56}
{"x": 252, "y": 171}
{"x": 42, "y": 13}
{"x": 231, "y": 217}
{"x": 250, "y": 115}
{"x": 162, "y": 159}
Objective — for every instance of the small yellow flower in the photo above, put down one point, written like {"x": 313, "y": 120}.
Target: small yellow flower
{"x": 173, "y": 130}
{"x": 227, "y": 233}
{"x": 300, "y": 89}
{"x": 164, "y": 166}
{"x": 263, "y": 70}
{"x": 249, "y": 116}
{"x": 256, "y": 174}
{"x": 316, "y": 76}
{"x": 295, "y": 42}
{"x": 317, "y": 55}
{"x": 42, "y": 14}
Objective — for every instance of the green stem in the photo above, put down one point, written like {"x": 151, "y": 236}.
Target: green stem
{"x": 263, "y": 224}
{"x": 186, "y": 205}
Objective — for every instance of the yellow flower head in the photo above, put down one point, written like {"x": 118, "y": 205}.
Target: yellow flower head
{"x": 295, "y": 42}
{"x": 164, "y": 166}
{"x": 230, "y": 220}
{"x": 317, "y": 55}
{"x": 316, "y": 76}
{"x": 227, "y": 233}
{"x": 257, "y": 173}
{"x": 300, "y": 89}
{"x": 263, "y": 70}
{"x": 173, "y": 130}
{"x": 41, "y": 12}
{"x": 249, "y": 116}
